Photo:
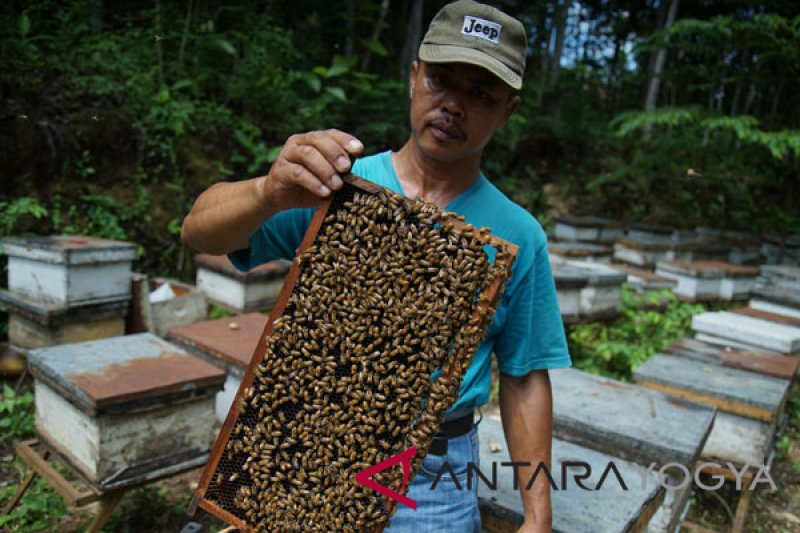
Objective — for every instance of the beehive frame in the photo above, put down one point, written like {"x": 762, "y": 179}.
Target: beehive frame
{"x": 425, "y": 420}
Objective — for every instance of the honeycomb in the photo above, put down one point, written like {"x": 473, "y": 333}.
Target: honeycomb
{"x": 390, "y": 303}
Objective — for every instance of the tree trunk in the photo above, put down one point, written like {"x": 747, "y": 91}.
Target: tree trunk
{"x": 777, "y": 98}
{"x": 186, "y": 23}
{"x": 751, "y": 96}
{"x": 376, "y": 33}
{"x": 350, "y": 25}
{"x": 658, "y": 66}
{"x": 158, "y": 37}
{"x": 737, "y": 94}
{"x": 560, "y": 27}
{"x": 96, "y": 16}
{"x": 413, "y": 38}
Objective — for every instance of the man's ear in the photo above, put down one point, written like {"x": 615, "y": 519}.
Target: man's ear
{"x": 511, "y": 107}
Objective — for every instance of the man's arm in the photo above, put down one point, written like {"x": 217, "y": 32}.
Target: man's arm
{"x": 526, "y": 406}
{"x": 225, "y": 216}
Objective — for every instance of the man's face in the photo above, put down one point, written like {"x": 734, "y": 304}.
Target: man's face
{"x": 456, "y": 108}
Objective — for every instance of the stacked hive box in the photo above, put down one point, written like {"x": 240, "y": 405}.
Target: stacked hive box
{"x": 241, "y": 292}
{"x": 66, "y": 289}
{"x": 228, "y": 343}
{"x": 587, "y": 291}
{"x": 631, "y": 423}
{"x": 709, "y": 280}
{"x": 750, "y": 390}
{"x": 743, "y": 248}
{"x": 589, "y": 229}
{"x": 182, "y": 305}
{"x": 126, "y": 409}
{"x": 784, "y": 251}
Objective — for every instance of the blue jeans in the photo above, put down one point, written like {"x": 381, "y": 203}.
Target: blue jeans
{"x": 446, "y": 508}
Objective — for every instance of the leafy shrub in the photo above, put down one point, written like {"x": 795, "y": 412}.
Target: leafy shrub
{"x": 649, "y": 323}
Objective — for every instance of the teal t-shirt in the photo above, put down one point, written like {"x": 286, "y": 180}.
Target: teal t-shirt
{"x": 526, "y": 332}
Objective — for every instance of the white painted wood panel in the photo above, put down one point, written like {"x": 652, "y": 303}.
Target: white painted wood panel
{"x": 761, "y": 333}
{"x": 106, "y": 446}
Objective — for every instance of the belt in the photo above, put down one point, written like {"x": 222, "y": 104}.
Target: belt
{"x": 450, "y": 430}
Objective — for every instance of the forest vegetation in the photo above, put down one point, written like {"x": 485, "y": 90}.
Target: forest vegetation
{"x": 114, "y": 116}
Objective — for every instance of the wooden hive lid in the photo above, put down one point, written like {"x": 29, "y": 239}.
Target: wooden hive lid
{"x": 578, "y": 249}
{"x": 626, "y": 420}
{"x": 577, "y": 274}
{"x": 737, "y": 391}
{"x": 123, "y": 373}
{"x": 52, "y": 314}
{"x": 69, "y": 249}
{"x": 645, "y": 244}
{"x": 222, "y": 265}
{"x": 231, "y": 340}
{"x": 781, "y": 272}
{"x": 590, "y": 222}
{"x": 643, "y": 273}
{"x": 780, "y": 296}
{"x": 758, "y": 361}
{"x": 695, "y": 269}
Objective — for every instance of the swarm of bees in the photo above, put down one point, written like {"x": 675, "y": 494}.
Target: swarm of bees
{"x": 389, "y": 306}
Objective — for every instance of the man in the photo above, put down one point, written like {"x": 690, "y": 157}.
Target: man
{"x": 462, "y": 90}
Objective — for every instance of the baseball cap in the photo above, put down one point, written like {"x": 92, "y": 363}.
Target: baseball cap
{"x": 469, "y": 32}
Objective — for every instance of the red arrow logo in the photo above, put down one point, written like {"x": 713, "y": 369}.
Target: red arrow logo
{"x": 404, "y": 458}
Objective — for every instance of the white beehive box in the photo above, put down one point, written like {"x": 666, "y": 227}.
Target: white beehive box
{"x": 581, "y": 251}
{"x": 183, "y": 305}
{"x": 588, "y": 229}
{"x": 644, "y": 280}
{"x": 784, "y": 251}
{"x": 227, "y": 343}
{"x": 69, "y": 270}
{"x": 126, "y": 409}
{"x": 642, "y": 252}
{"x": 242, "y": 292}
{"x": 741, "y": 331}
{"x": 32, "y": 324}
{"x": 587, "y": 291}
{"x": 662, "y": 234}
{"x": 697, "y": 281}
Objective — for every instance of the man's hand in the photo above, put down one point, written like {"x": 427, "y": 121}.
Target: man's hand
{"x": 308, "y": 169}
{"x": 225, "y": 216}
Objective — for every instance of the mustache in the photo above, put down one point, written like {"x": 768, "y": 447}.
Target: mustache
{"x": 446, "y": 123}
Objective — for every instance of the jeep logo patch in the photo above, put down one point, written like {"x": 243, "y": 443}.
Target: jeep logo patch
{"x": 481, "y": 28}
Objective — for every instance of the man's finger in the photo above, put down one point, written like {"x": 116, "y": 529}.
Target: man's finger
{"x": 346, "y": 141}
{"x": 304, "y": 178}
{"x": 310, "y": 157}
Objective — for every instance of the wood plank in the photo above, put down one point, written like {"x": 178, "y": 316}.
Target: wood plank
{"x": 781, "y": 276}
{"x": 739, "y": 440}
{"x": 575, "y": 510}
{"x": 729, "y": 389}
{"x": 229, "y": 342}
{"x": 26, "y": 452}
{"x": 645, "y": 279}
{"x": 766, "y": 315}
{"x": 752, "y": 331}
{"x": 772, "y": 307}
{"x": 642, "y": 426}
{"x": 762, "y": 362}
{"x": 778, "y": 296}
{"x": 580, "y": 250}
{"x": 120, "y": 371}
